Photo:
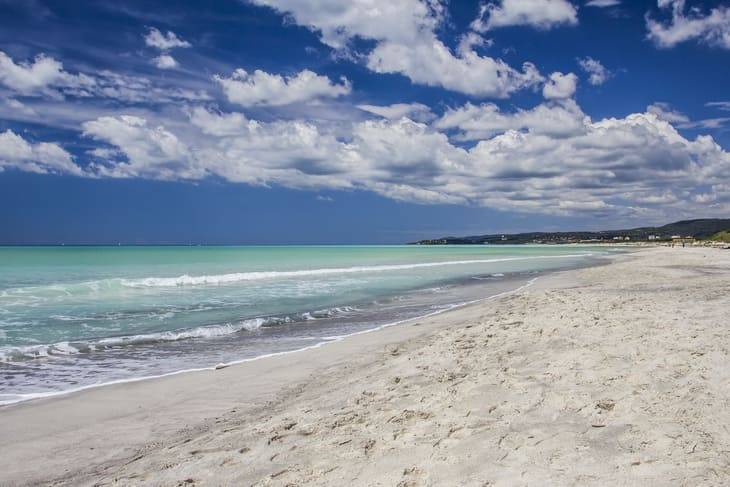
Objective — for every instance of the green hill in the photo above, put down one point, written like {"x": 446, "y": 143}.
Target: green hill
{"x": 723, "y": 236}
{"x": 700, "y": 229}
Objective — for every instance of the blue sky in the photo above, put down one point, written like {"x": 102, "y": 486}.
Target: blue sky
{"x": 368, "y": 121}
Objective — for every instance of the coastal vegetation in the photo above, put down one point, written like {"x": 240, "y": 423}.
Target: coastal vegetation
{"x": 723, "y": 236}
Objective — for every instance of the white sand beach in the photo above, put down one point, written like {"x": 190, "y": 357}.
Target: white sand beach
{"x": 611, "y": 375}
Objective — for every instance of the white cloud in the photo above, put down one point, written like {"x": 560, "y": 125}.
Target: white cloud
{"x": 262, "y": 88}
{"x": 406, "y": 43}
{"x": 470, "y": 40}
{"x": 712, "y": 28}
{"x": 541, "y": 14}
{"x": 720, "y": 105}
{"x": 221, "y": 125}
{"x": 403, "y": 22}
{"x": 151, "y": 152}
{"x": 132, "y": 89}
{"x": 614, "y": 166}
{"x": 559, "y": 86}
{"x": 706, "y": 123}
{"x": 27, "y": 77}
{"x": 289, "y": 153}
{"x": 164, "y": 42}
{"x": 414, "y": 111}
{"x": 45, "y": 76}
{"x": 292, "y": 154}
{"x": 603, "y": 3}
{"x": 664, "y": 111}
{"x": 20, "y": 107}
{"x": 549, "y": 159}
{"x": 432, "y": 63}
{"x": 556, "y": 119}
{"x": 165, "y": 61}
{"x": 43, "y": 157}
{"x": 598, "y": 74}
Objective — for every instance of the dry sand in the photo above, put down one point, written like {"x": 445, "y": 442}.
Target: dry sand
{"x": 612, "y": 375}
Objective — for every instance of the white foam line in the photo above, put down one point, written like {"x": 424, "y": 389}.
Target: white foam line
{"x": 209, "y": 331}
{"x": 186, "y": 280}
{"x": 325, "y": 341}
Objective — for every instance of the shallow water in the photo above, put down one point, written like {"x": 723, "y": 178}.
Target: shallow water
{"x": 72, "y": 317}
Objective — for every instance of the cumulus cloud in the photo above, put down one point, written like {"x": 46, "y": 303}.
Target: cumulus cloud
{"x": 614, "y": 165}
{"x": 221, "y": 125}
{"x": 560, "y": 86}
{"x": 262, "y": 88}
{"x": 164, "y": 42}
{"x": 541, "y": 14}
{"x": 549, "y": 159}
{"x": 712, "y": 28}
{"x": 151, "y": 152}
{"x": 406, "y": 43}
{"x": 402, "y": 22}
{"x": 42, "y": 157}
{"x": 597, "y": 72}
{"x": 434, "y": 64}
{"x": 33, "y": 76}
{"x": 165, "y": 61}
{"x": 475, "y": 122}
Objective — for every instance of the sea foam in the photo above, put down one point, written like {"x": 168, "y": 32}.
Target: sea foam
{"x": 221, "y": 279}
{"x": 20, "y": 353}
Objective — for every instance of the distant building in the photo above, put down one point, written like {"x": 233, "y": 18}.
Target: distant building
{"x": 678, "y": 239}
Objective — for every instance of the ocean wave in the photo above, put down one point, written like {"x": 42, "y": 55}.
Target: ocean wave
{"x": 33, "y": 296}
{"x": 20, "y": 397}
{"x": 328, "y": 313}
{"x": 220, "y": 279}
{"x": 65, "y": 348}
{"x": 489, "y": 277}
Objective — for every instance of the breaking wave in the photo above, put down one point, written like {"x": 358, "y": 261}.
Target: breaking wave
{"x": 36, "y": 295}
{"x": 65, "y": 348}
{"x": 219, "y": 279}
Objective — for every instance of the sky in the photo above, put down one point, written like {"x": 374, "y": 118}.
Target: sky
{"x": 362, "y": 121}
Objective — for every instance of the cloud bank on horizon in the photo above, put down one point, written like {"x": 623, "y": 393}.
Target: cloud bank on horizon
{"x": 160, "y": 116}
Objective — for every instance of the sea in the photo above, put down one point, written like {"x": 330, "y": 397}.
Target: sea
{"x": 72, "y": 318}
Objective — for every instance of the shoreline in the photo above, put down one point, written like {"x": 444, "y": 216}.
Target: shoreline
{"x": 325, "y": 341}
{"x": 319, "y": 341}
{"x": 407, "y": 403}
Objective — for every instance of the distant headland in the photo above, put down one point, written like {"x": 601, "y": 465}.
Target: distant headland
{"x": 707, "y": 229}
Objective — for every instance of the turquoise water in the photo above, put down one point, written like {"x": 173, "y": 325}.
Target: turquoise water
{"x": 71, "y": 317}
